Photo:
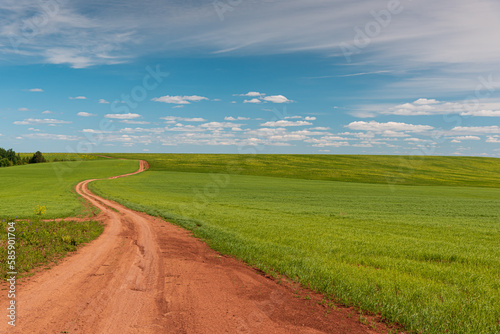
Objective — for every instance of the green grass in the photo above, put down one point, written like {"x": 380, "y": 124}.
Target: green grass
{"x": 392, "y": 170}
{"x": 52, "y": 185}
{"x": 39, "y": 243}
{"x": 426, "y": 257}
{"x": 50, "y": 157}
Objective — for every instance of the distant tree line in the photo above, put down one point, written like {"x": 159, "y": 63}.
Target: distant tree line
{"x": 10, "y": 158}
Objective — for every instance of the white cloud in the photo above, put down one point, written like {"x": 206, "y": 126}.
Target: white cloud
{"x": 389, "y": 126}
{"x": 77, "y": 98}
{"x": 230, "y": 118}
{"x": 424, "y": 106}
{"x": 252, "y": 101}
{"x": 426, "y": 101}
{"x": 471, "y": 130}
{"x": 467, "y": 138}
{"x": 127, "y": 121}
{"x": 23, "y": 109}
{"x": 46, "y": 112}
{"x": 219, "y": 125}
{"x": 493, "y": 139}
{"x": 482, "y": 113}
{"x": 122, "y": 116}
{"x": 415, "y": 140}
{"x": 33, "y": 129}
{"x": 285, "y": 123}
{"x": 179, "y": 99}
{"x": 38, "y": 90}
{"x": 309, "y": 118}
{"x": 251, "y": 94}
{"x": 49, "y": 136}
{"x": 103, "y": 101}
{"x": 320, "y": 128}
{"x": 41, "y": 121}
{"x": 85, "y": 114}
{"x": 182, "y": 119}
{"x": 277, "y": 99}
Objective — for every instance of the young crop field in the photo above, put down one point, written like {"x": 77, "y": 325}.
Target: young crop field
{"x": 52, "y": 185}
{"x": 424, "y": 256}
{"x": 392, "y": 170}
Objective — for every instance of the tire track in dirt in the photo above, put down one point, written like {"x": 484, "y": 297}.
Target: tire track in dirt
{"x": 145, "y": 275}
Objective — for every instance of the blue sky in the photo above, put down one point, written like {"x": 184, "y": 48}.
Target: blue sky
{"x": 255, "y": 76}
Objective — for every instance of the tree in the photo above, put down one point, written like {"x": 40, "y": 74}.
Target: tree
{"x": 37, "y": 158}
{"x": 5, "y": 162}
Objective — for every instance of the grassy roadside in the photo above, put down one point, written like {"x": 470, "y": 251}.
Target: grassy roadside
{"x": 426, "y": 257}
{"x": 52, "y": 185}
{"x": 40, "y": 243}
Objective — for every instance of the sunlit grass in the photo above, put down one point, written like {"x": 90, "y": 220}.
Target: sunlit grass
{"x": 39, "y": 243}
{"x": 427, "y": 257}
{"x": 52, "y": 185}
{"x": 391, "y": 170}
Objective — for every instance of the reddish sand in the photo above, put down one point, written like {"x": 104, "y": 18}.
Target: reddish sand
{"x": 145, "y": 275}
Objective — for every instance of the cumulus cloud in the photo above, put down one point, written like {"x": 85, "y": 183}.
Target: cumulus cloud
{"x": 425, "y": 106}
{"x": 219, "y": 125}
{"x": 85, "y": 114}
{"x": 277, "y": 99}
{"x": 482, "y": 113}
{"x": 252, "y": 101}
{"x": 41, "y": 121}
{"x": 493, "y": 139}
{"x": 37, "y": 90}
{"x": 50, "y": 136}
{"x": 47, "y": 112}
{"x": 471, "y": 130}
{"x": 467, "y": 138}
{"x": 179, "y": 99}
{"x": 426, "y": 101}
{"x": 128, "y": 121}
{"x": 103, "y": 101}
{"x": 182, "y": 119}
{"x": 77, "y": 98}
{"x": 122, "y": 116}
{"x": 23, "y": 109}
{"x": 251, "y": 94}
{"x": 239, "y": 118}
{"x": 389, "y": 126}
{"x": 283, "y": 123}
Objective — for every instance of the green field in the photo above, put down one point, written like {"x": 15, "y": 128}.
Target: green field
{"x": 426, "y": 257}
{"x": 392, "y": 170}
{"x": 52, "y": 185}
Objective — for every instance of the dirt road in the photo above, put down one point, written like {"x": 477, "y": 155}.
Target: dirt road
{"x": 145, "y": 275}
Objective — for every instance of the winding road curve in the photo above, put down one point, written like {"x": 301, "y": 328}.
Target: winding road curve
{"x": 145, "y": 275}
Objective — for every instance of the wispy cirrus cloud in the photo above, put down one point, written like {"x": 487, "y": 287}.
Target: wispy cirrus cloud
{"x": 76, "y": 34}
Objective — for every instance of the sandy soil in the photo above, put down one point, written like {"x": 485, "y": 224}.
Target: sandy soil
{"x": 145, "y": 275}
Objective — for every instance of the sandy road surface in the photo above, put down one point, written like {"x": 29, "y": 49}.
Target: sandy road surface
{"x": 144, "y": 275}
